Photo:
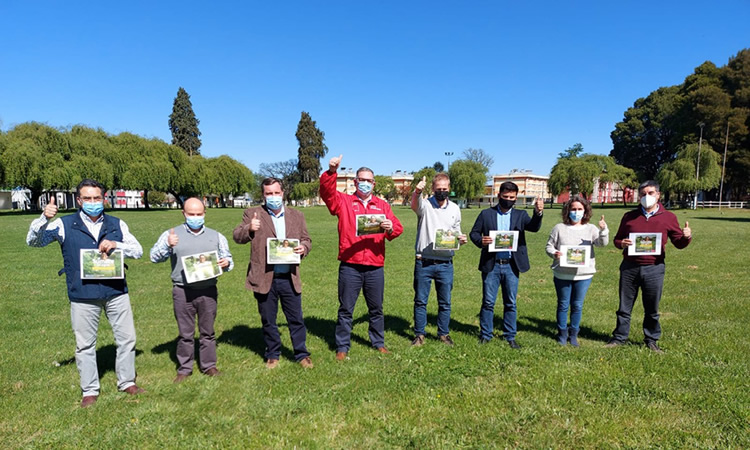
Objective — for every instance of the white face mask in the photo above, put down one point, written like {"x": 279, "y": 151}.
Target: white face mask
{"x": 648, "y": 201}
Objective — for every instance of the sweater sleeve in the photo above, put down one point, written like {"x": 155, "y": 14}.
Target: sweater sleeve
{"x": 552, "y": 242}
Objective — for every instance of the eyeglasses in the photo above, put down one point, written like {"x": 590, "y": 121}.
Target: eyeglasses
{"x": 91, "y": 199}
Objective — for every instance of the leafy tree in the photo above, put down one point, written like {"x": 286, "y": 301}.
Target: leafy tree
{"x": 571, "y": 152}
{"x": 611, "y": 172}
{"x": 184, "y": 124}
{"x": 150, "y": 168}
{"x": 311, "y": 149}
{"x": 480, "y": 156}
{"x": 573, "y": 174}
{"x": 304, "y": 191}
{"x": 230, "y": 177}
{"x": 385, "y": 187}
{"x": 678, "y": 176}
{"x": 468, "y": 178}
{"x": 428, "y": 173}
{"x": 439, "y": 167}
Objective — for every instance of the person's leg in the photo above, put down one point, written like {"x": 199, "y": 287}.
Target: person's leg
{"x": 206, "y": 306}
{"x": 443, "y": 287}
{"x": 268, "y": 308}
{"x": 578, "y": 294}
{"x": 490, "y": 284}
{"x": 422, "y": 283}
{"x": 630, "y": 281}
{"x": 184, "y": 313}
{"x": 653, "y": 283}
{"x": 350, "y": 283}
{"x": 291, "y": 305}
{"x": 84, "y": 318}
{"x": 373, "y": 287}
{"x": 120, "y": 315}
{"x": 509, "y": 284}
{"x": 563, "y": 289}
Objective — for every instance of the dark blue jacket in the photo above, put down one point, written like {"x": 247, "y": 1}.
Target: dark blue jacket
{"x": 77, "y": 237}
{"x": 519, "y": 220}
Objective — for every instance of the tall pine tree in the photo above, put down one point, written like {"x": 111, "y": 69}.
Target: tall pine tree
{"x": 311, "y": 149}
{"x": 184, "y": 124}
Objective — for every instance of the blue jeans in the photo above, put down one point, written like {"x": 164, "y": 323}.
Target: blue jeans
{"x": 501, "y": 276}
{"x": 354, "y": 278}
{"x": 424, "y": 273}
{"x": 570, "y": 294}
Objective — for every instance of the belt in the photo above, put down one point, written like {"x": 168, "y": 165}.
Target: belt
{"x": 502, "y": 261}
{"x": 427, "y": 261}
{"x": 287, "y": 275}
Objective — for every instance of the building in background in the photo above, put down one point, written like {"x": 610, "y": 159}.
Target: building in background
{"x": 530, "y": 186}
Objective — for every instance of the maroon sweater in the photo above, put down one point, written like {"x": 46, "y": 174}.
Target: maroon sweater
{"x": 663, "y": 221}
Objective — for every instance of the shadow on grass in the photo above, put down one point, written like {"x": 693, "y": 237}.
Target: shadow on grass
{"x": 171, "y": 348}
{"x": 105, "y": 359}
{"x": 456, "y": 326}
{"x": 326, "y": 329}
{"x": 548, "y": 328}
{"x": 251, "y": 339}
{"x": 727, "y": 219}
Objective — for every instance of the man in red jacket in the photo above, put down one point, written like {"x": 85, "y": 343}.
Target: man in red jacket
{"x": 645, "y": 271}
{"x": 361, "y": 252}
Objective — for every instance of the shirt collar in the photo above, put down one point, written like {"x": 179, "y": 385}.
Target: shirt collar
{"x": 280, "y": 214}
{"x": 191, "y": 231}
{"x": 499, "y": 211}
{"x": 649, "y": 214}
{"x": 85, "y": 217}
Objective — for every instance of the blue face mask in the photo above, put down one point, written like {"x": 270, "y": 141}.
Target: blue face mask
{"x": 195, "y": 222}
{"x": 575, "y": 216}
{"x": 93, "y": 209}
{"x": 364, "y": 187}
{"x": 275, "y": 202}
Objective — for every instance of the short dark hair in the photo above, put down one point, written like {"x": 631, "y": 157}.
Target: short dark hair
{"x": 508, "y": 186}
{"x": 88, "y": 182}
{"x": 269, "y": 181}
{"x": 586, "y": 210}
{"x": 364, "y": 169}
{"x": 648, "y": 183}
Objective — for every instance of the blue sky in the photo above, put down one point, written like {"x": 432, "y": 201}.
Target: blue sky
{"x": 393, "y": 84}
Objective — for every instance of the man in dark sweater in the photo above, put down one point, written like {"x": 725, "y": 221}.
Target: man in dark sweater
{"x": 642, "y": 270}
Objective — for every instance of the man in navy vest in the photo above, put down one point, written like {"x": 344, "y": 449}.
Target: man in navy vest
{"x": 91, "y": 229}
{"x": 193, "y": 295}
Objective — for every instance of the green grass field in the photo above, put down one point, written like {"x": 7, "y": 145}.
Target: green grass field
{"x": 697, "y": 394}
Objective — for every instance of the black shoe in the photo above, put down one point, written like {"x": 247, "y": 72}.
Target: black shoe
{"x": 514, "y": 345}
{"x": 483, "y": 341}
{"x": 654, "y": 347}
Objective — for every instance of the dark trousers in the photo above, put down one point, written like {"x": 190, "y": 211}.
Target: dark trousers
{"x": 650, "y": 280}
{"x": 187, "y": 303}
{"x": 282, "y": 291}
{"x": 354, "y": 278}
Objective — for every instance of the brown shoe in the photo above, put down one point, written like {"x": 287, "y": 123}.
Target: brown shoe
{"x": 446, "y": 339}
{"x": 418, "y": 341}
{"x": 340, "y": 356}
{"x": 181, "y": 377}
{"x": 134, "y": 390}
{"x": 306, "y": 363}
{"x": 212, "y": 372}
{"x": 88, "y": 400}
{"x": 272, "y": 363}
{"x": 383, "y": 350}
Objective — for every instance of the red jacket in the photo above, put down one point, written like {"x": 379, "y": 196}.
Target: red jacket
{"x": 663, "y": 221}
{"x": 367, "y": 250}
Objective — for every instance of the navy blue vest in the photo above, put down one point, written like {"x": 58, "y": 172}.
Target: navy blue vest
{"x": 77, "y": 236}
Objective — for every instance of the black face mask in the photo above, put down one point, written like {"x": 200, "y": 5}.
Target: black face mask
{"x": 506, "y": 204}
{"x": 441, "y": 195}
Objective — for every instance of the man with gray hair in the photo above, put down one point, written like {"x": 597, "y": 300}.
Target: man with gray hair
{"x": 645, "y": 271}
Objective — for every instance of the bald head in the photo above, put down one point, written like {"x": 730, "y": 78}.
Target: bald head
{"x": 193, "y": 207}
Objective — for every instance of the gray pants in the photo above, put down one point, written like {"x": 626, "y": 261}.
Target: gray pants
{"x": 188, "y": 303}
{"x": 84, "y": 317}
{"x": 650, "y": 280}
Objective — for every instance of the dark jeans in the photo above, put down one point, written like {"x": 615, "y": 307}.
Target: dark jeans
{"x": 187, "y": 303}
{"x": 425, "y": 271}
{"x": 650, "y": 280}
{"x": 354, "y": 278}
{"x": 282, "y": 291}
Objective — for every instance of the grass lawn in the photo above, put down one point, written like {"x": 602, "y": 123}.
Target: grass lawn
{"x": 697, "y": 394}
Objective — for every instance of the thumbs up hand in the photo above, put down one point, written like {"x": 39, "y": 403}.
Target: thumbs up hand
{"x": 172, "y": 239}
{"x": 420, "y": 186}
{"x": 50, "y": 210}
{"x": 687, "y": 231}
{"x": 255, "y": 222}
{"x": 334, "y": 163}
{"x": 602, "y": 223}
